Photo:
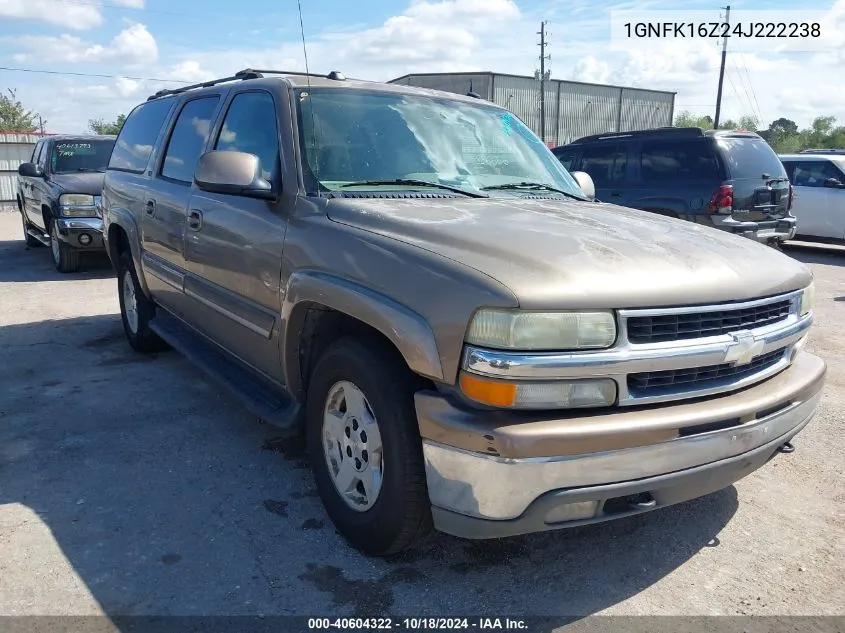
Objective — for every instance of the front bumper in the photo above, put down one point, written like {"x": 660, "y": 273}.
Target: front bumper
{"x": 763, "y": 231}
{"x": 72, "y": 230}
{"x": 493, "y": 474}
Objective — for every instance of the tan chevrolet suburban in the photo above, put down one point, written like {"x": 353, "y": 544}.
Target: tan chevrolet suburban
{"x": 468, "y": 340}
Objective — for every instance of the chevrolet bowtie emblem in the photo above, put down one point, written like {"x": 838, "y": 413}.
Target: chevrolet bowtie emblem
{"x": 743, "y": 348}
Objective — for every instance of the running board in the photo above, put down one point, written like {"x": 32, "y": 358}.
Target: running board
{"x": 258, "y": 395}
{"x": 38, "y": 235}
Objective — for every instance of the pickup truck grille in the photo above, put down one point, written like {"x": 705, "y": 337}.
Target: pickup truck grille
{"x": 683, "y": 326}
{"x": 651, "y": 382}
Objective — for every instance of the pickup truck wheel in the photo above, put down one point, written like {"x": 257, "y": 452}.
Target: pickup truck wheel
{"x": 65, "y": 258}
{"x": 31, "y": 242}
{"x": 136, "y": 309}
{"x": 365, "y": 447}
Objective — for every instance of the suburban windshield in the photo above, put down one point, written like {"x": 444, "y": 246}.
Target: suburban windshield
{"x": 367, "y": 137}
{"x": 80, "y": 156}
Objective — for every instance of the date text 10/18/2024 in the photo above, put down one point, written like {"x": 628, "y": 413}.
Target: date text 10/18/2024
{"x": 417, "y": 624}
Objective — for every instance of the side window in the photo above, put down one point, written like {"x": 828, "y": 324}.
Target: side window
{"x": 138, "y": 136}
{"x": 565, "y": 156}
{"x": 665, "y": 161}
{"x": 790, "y": 170}
{"x": 188, "y": 139}
{"x": 250, "y": 126}
{"x": 606, "y": 163}
{"x": 814, "y": 173}
{"x": 35, "y": 151}
{"x": 41, "y": 161}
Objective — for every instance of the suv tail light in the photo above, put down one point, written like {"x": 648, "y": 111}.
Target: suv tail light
{"x": 791, "y": 197}
{"x": 722, "y": 200}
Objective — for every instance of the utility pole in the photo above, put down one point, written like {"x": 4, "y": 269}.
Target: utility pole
{"x": 41, "y": 124}
{"x": 722, "y": 70}
{"x": 543, "y": 58}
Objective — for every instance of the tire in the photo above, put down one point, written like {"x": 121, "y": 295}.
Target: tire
{"x": 65, "y": 258}
{"x": 136, "y": 321}
{"x": 400, "y": 515}
{"x": 31, "y": 242}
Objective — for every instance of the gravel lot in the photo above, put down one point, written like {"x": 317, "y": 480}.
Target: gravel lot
{"x": 130, "y": 485}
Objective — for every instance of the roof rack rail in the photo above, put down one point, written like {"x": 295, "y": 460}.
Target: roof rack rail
{"x": 658, "y": 131}
{"x": 822, "y": 151}
{"x": 243, "y": 75}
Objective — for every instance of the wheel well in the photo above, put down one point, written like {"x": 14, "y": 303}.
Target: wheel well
{"x": 118, "y": 242}
{"x": 47, "y": 214}
{"x": 322, "y": 326}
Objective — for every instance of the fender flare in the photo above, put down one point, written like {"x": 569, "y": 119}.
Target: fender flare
{"x": 409, "y": 332}
{"x": 123, "y": 219}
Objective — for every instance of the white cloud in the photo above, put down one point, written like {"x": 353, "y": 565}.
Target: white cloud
{"x": 591, "y": 70}
{"x": 132, "y": 46}
{"x": 77, "y": 16}
{"x": 132, "y": 4}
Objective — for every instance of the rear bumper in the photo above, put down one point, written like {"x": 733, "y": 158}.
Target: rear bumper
{"x": 664, "y": 455}
{"x": 766, "y": 231}
{"x": 72, "y": 230}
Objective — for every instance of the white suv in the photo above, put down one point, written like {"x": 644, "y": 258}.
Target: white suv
{"x": 819, "y": 206}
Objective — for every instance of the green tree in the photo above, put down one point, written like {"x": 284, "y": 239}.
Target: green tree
{"x": 99, "y": 126}
{"x": 14, "y": 117}
{"x": 687, "y": 119}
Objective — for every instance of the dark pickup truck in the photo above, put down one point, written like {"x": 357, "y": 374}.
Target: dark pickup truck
{"x": 59, "y": 196}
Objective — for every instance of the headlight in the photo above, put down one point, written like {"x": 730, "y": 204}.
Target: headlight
{"x": 512, "y": 329}
{"x": 807, "y": 298}
{"x": 77, "y": 204}
{"x": 557, "y": 394}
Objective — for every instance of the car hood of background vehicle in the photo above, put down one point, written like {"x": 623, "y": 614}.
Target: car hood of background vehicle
{"x": 90, "y": 183}
{"x": 570, "y": 254}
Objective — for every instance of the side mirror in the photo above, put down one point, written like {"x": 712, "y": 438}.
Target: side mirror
{"x": 833, "y": 183}
{"x": 235, "y": 173}
{"x": 586, "y": 183}
{"x": 30, "y": 170}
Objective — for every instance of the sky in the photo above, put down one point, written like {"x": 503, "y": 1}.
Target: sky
{"x": 144, "y": 45}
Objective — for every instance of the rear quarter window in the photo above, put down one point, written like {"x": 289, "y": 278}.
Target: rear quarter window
{"x": 749, "y": 157}
{"x": 137, "y": 138}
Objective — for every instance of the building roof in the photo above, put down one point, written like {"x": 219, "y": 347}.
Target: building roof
{"x": 490, "y": 73}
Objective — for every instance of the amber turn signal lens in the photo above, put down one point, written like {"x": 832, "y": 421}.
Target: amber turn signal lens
{"x": 492, "y": 392}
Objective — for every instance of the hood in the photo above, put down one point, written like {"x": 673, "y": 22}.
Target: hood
{"x": 89, "y": 183}
{"x": 569, "y": 254}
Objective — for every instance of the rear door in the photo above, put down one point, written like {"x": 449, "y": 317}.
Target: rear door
{"x": 676, "y": 176}
{"x": 760, "y": 183}
{"x": 607, "y": 165}
{"x": 233, "y": 244}
{"x": 816, "y": 206}
{"x": 166, "y": 202}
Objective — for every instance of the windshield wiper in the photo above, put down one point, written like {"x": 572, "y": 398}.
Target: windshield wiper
{"x": 414, "y": 182}
{"x": 532, "y": 185}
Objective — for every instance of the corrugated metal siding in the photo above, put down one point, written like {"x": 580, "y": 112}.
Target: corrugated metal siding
{"x": 642, "y": 110}
{"x": 458, "y": 83}
{"x": 573, "y": 109}
{"x": 14, "y": 150}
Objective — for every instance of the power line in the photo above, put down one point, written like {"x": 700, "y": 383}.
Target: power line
{"x": 95, "y": 75}
{"x": 745, "y": 89}
{"x": 750, "y": 83}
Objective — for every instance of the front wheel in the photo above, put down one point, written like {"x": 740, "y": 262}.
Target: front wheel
{"x": 65, "y": 258}
{"x": 365, "y": 447}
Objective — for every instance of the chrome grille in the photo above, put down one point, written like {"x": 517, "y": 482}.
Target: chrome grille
{"x": 652, "y": 382}
{"x": 689, "y": 325}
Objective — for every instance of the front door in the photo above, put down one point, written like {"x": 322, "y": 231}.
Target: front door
{"x": 812, "y": 207}
{"x": 607, "y": 164}
{"x": 165, "y": 206}
{"x": 233, "y": 244}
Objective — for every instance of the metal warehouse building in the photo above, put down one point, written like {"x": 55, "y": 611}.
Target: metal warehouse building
{"x": 573, "y": 109}
{"x": 15, "y": 148}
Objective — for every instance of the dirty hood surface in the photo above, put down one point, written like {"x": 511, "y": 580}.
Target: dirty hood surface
{"x": 90, "y": 183}
{"x": 570, "y": 254}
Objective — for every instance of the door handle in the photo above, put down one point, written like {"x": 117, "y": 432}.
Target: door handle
{"x": 615, "y": 194}
{"x": 195, "y": 219}
{"x": 150, "y": 208}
